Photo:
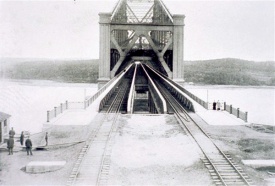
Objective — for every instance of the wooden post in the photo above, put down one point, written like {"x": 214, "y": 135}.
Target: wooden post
{"x": 230, "y": 109}
{"x": 246, "y": 113}
{"x": 238, "y": 112}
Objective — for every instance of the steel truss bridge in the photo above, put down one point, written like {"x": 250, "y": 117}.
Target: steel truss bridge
{"x": 141, "y": 56}
{"x": 144, "y": 30}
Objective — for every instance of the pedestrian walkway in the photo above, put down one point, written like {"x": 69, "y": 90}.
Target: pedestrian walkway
{"x": 215, "y": 117}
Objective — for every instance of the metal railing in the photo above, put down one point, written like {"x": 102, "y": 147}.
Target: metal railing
{"x": 131, "y": 97}
{"x": 156, "y": 95}
{"x": 231, "y": 110}
{"x": 81, "y": 105}
{"x": 64, "y": 106}
{"x": 243, "y": 115}
{"x": 173, "y": 87}
{"x": 114, "y": 88}
{"x": 235, "y": 111}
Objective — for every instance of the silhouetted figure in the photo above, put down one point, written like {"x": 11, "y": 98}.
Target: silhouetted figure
{"x": 28, "y": 144}
{"x": 46, "y": 138}
{"x": 214, "y": 105}
{"x": 22, "y": 138}
{"x": 10, "y": 145}
{"x": 12, "y": 132}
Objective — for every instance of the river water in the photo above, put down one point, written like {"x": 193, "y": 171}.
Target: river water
{"x": 28, "y": 100}
{"x": 259, "y": 102}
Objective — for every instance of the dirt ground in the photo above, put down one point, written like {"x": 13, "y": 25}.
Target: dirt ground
{"x": 155, "y": 151}
{"x": 244, "y": 143}
{"x": 12, "y": 167}
{"x": 240, "y": 142}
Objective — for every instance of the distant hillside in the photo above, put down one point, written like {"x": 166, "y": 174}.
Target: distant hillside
{"x": 77, "y": 71}
{"x": 230, "y": 72}
{"x": 219, "y": 71}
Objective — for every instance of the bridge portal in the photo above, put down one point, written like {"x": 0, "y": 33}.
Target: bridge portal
{"x": 141, "y": 30}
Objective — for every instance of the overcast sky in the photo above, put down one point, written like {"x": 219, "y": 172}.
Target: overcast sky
{"x": 70, "y": 29}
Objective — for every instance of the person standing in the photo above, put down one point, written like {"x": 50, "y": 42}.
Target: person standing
{"x": 46, "y": 138}
{"x": 22, "y": 138}
{"x": 12, "y": 132}
{"x": 10, "y": 145}
{"x": 28, "y": 144}
{"x": 214, "y": 105}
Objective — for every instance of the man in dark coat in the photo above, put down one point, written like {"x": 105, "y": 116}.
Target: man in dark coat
{"x": 214, "y": 105}
{"x": 28, "y": 144}
{"x": 10, "y": 145}
{"x": 22, "y": 138}
{"x": 11, "y": 132}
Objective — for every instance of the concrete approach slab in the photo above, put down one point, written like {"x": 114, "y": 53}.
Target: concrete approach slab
{"x": 85, "y": 116}
{"x": 44, "y": 166}
{"x": 270, "y": 181}
{"x": 213, "y": 117}
{"x": 259, "y": 163}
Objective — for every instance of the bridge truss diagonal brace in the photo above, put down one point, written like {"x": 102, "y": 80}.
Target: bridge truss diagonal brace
{"x": 132, "y": 12}
{"x": 160, "y": 55}
{"x": 167, "y": 46}
{"x": 137, "y": 34}
{"x": 122, "y": 54}
{"x": 116, "y": 45}
{"x": 148, "y": 13}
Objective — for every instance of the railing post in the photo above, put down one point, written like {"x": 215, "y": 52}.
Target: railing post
{"x": 54, "y": 111}
{"x": 66, "y": 105}
{"x": 230, "y": 109}
{"x": 61, "y": 109}
{"x": 224, "y": 106}
{"x": 246, "y": 113}
{"x": 238, "y": 112}
{"x": 48, "y": 116}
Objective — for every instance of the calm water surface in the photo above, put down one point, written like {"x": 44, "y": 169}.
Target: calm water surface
{"x": 259, "y": 102}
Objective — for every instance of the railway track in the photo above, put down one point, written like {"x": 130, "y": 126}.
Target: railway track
{"x": 93, "y": 163}
{"x": 220, "y": 165}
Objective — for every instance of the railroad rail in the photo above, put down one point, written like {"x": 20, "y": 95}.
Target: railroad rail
{"x": 222, "y": 170}
{"x": 93, "y": 163}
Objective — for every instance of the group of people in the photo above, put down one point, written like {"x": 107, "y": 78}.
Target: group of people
{"x": 28, "y": 142}
{"x": 217, "y": 105}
